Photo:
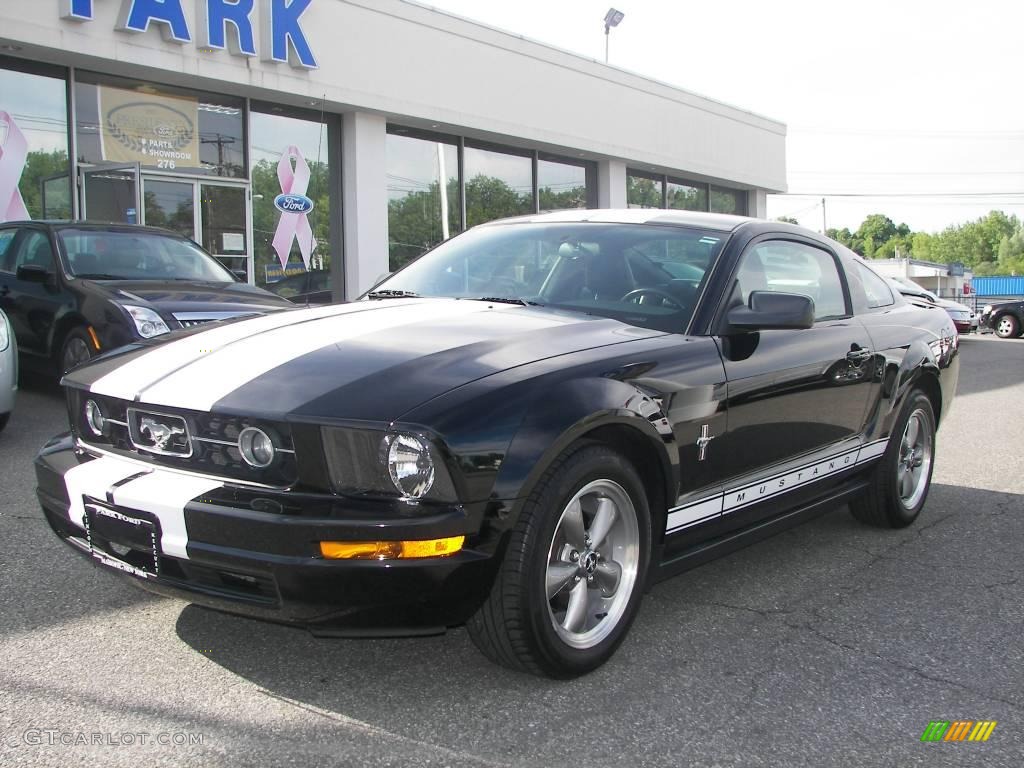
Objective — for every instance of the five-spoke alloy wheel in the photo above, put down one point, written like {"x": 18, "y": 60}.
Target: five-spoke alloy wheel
{"x": 573, "y": 573}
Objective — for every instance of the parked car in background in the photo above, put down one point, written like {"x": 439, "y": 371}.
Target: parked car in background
{"x": 8, "y": 370}
{"x": 1006, "y": 319}
{"x": 74, "y": 289}
{"x": 313, "y": 287}
{"x": 964, "y": 318}
{"x": 519, "y": 431}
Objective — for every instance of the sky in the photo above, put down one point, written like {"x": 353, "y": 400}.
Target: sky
{"x": 904, "y": 101}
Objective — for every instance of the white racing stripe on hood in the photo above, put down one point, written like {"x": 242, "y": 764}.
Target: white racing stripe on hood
{"x": 129, "y": 379}
{"x": 215, "y": 375}
{"x": 165, "y": 495}
{"x": 94, "y": 478}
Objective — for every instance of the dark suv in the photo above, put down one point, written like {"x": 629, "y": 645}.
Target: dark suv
{"x": 1006, "y": 319}
{"x": 75, "y": 289}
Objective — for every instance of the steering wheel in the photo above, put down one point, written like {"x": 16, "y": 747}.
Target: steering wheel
{"x": 639, "y": 293}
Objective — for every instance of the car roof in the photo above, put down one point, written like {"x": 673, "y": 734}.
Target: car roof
{"x": 716, "y": 221}
{"x": 99, "y": 226}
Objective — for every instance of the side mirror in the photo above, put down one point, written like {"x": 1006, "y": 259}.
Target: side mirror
{"x": 33, "y": 273}
{"x": 770, "y": 310}
{"x": 241, "y": 274}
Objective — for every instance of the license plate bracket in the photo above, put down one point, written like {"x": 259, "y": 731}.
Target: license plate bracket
{"x": 128, "y": 540}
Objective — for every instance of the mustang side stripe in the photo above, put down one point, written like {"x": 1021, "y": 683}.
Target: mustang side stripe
{"x": 213, "y": 376}
{"x": 741, "y": 496}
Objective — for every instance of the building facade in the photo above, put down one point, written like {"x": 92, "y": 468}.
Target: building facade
{"x": 346, "y": 135}
{"x": 947, "y": 281}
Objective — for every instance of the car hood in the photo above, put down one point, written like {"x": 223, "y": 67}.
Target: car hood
{"x": 369, "y": 360}
{"x": 174, "y": 296}
{"x": 947, "y": 304}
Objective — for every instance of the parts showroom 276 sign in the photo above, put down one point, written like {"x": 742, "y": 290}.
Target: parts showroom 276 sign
{"x": 148, "y": 128}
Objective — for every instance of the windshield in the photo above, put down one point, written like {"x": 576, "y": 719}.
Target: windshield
{"x": 127, "y": 255}
{"x": 643, "y": 275}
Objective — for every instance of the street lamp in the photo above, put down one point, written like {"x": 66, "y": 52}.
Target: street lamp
{"x": 611, "y": 19}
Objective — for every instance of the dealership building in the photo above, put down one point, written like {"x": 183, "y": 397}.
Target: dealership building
{"x": 345, "y": 135}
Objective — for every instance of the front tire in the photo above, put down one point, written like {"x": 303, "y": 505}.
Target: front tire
{"x": 902, "y": 478}
{"x": 574, "y": 572}
{"x": 76, "y": 350}
{"x": 1006, "y": 327}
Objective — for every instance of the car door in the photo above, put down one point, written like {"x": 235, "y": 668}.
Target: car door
{"x": 31, "y": 306}
{"x": 796, "y": 399}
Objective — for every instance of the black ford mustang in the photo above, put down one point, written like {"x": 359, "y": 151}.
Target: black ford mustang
{"x": 520, "y": 431}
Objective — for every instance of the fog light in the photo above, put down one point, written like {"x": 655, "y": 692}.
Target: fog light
{"x": 391, "y": 550}
{"x": 256, "y": 447}
{"x": 94, "y": 418}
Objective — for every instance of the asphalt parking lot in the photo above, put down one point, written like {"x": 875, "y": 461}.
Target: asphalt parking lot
{"x": 831, "y": 644}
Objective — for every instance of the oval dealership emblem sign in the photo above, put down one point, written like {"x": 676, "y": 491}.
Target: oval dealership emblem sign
{"x": 293, "y": 204}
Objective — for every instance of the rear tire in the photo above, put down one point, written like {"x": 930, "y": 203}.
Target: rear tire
{"x": 76, "y": 350}
{"x": 1006, "y": 327}
{"x": 574, "y": 572}
{"x": 902, "y": 478}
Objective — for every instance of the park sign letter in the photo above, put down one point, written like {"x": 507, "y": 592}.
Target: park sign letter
{"x": 222, "y": 25}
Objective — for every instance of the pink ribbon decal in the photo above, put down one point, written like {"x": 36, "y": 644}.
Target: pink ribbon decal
{"x": 293, "y": 225}
{"x": 13, "y": 154}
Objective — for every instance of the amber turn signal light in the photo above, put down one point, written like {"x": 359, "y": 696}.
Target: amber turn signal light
{"x": 390, "y": 550}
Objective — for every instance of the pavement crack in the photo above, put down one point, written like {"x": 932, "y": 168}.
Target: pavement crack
{"x": 904, "y": 667}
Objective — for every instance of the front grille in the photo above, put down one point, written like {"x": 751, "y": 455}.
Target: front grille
{"x": 192, "y": 319}
{"x": 193, "y": 323}
{"x": 212, "y": 446}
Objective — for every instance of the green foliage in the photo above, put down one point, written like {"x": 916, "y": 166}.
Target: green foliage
{"x": 791, "y": 220}
{"x": 40, "y": 165}
{"x": 643, "y": 193}
{"x": 991, "y": 245}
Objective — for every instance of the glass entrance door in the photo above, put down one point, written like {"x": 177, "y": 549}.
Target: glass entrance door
{"x": 110, "y": 193}
{"x": 213, "y": 213}
{"x": 171, "y": 205}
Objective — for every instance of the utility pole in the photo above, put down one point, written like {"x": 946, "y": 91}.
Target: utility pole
{"x": 824, "y": 226}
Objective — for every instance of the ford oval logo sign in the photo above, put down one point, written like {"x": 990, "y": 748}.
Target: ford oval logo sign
{"x": 293, "y": 204}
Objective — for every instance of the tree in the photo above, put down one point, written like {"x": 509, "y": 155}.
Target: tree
{"x": 40, "y": 165}
{"x": 791, "y": 220}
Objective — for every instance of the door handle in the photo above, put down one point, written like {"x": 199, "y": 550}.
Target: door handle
{"x": 858, "y": 355}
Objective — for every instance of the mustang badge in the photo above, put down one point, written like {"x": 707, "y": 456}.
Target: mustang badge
{"x": 160, "y": 434}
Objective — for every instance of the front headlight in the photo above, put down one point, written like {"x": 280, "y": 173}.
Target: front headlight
{"x": 987, "y": 309}
{"x": 5, "y": 334}
{"x": 147, "y": 322}
{"x": 403, "y": 463}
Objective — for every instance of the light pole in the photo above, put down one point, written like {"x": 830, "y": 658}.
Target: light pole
{"x": 611, "y": 19}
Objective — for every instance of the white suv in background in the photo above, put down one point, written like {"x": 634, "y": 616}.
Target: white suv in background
{"x": 8, "y": 369}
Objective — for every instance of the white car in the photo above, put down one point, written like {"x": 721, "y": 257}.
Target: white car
{"x": 8, "y": 369}
{"x": 964, "y": 318}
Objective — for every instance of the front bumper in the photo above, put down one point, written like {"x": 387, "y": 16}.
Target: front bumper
{"x": 222, "y": 549}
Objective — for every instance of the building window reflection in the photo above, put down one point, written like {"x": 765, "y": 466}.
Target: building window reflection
{"x": 644, "y": 190}
{"x": 498, "y": 184}
{"x": 564, "y": 184}
{"x": 686, "y": 196}
{"x": 33, "y": 143}
{"x": 289, "y": 156}
{"x": 728, "y": 201}
{"x": 424, "y": 203}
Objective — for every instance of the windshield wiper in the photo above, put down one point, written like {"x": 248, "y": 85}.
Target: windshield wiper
{"x": 509, "y": 300}
{"x": 389, "y": 293}
{"x": 99, "y": 276}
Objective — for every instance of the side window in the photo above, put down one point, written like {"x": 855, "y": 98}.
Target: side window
{"x": 35, "y": 251}
{"x": 878, "y": 293}
{"x": 788, "y": 267}
{"x": 6, "y": 252}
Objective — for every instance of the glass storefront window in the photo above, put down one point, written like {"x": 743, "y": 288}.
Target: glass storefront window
{"x": 289, "y": 157}
{"x": 498, "y": 184}
{"x": 34, "y": 179}
{"x": 728, "y": 201}
{"x": 686, "y": 196}
{"x": 561, "y": 185}
{"x": 419, "y": 204}
{"x": 161, "y": 127}
{"x": 644, "y": 191}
